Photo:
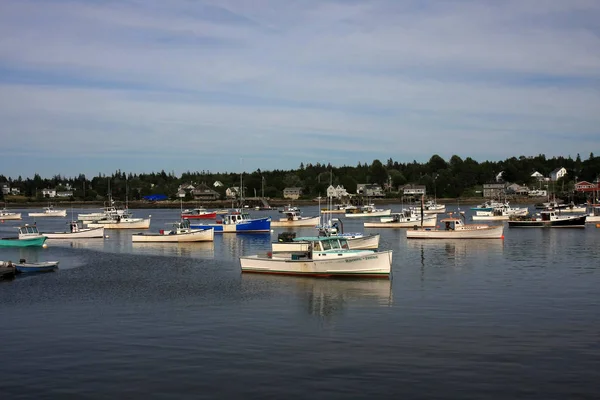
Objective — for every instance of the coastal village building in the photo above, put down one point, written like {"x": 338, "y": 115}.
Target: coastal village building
{"x": 203, "y": 192}
{"x": 413, "y": 190}
{"x": 51, "y": 193}
{"x": 369, "y": 190}
{"x": 232, "y": 192}
{"x": 293, "y": 193}
{"x": 517, "y": 189}
{"x": 492, "y": 190}
{"x": 499, "y": 177}
{"x": 64, "y": 193}
{"x": 557, "y": 174}
{"x": 538, "y": 176}
{"x": 336, "y": 192}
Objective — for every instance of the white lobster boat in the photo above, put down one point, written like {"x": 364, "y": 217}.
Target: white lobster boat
{"x": 326, "y": 257}
{"x": 121, "y": 222}
{"x": 500, "y": 213}
{"x": 406, "y": 219}
{"x": 367, "y": 211}
{"x": 77, "y": 232}
{"x": 431, "y": 207}
{"x": 455, "y": 228}
{"x": 288, "y": 242}
{"x": 180, "y": 233}
{"x": 6, "y": 215}
{"x": 49, "y": 212}
{"x": 294, "y": 219}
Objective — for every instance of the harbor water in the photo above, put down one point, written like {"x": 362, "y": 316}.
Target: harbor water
{"x": 460, "y": 319}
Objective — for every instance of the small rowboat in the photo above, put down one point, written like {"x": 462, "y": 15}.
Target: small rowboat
{"x": 44, "y": 266}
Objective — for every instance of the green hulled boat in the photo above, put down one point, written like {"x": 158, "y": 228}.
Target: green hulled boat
{"x": 29, "y": 236}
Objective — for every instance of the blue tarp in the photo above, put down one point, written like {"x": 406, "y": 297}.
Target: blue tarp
{"x": 156, "y": 197}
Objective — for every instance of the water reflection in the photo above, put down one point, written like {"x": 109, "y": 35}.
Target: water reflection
{"x": 240, "y": 244}
{"x": 199, "y": 250}
{"x": 327, "y": 297}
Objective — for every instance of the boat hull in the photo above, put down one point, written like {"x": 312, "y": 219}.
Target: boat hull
{"x": 379, "y": 213}
{"x": 141, "y": 224}
{"x": 91, "y": 233}
{"x": 575, "y": 222}
{"x": 55, "y": 213}
{"x": 491, "y": 232}
{"x": 212, "y": 215}
{"x": 427, "y": 223}
{"x": 249, "y": 226}
{"x": 310, "y": 221}
{"x": 199, "y": 235}
{"x": 10, "y": 217}
{"x": 37, "y": 241}
{"x": 371, "y": 265}
{"x": 44, "y": 266}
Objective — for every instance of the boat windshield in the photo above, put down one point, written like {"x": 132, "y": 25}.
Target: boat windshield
{"x": 326, "y": 244}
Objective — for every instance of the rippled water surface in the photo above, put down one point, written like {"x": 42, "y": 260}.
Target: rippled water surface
{"x": 512, "y": 318}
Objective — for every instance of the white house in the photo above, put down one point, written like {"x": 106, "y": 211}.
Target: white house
{"x": 292, "y": 193}
{"x": 218, "y": 184}
{"x": 557, "y": 174}
{"x": 5, "y": 188}
{"x": 537, "y": 176}
{"x": 232, "y": 192}
{"x": 49, "y": 193}
{"x": 413, "y": 190}
{"x": 369, "y": 190}
{"x": 64, "y": 193}
{"x": 499, "y": 177}
{"x": 336, "y": 192}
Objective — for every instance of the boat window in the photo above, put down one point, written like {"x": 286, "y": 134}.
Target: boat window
{"x": 335, "y": 244}
{"x": 344, "y": 243}
{"x": 326, "y": 245}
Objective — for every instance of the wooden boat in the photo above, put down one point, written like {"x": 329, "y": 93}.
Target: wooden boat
{"x": 127, "y": 221}
{"x": 367, "y": 211}
{"x": 28, "y": 236}
{"x": 6, "y": 215}
{"x": 455, "y": 228}
{"x": 237, "y": 222}
{"x": 548, "y": 219}
{"x": 27, "y": 267}
{"x": 198, "y": 213}
{"x": 326, "y": 257}
{"x": 49, "y": 211}
{"x": 179, "y": 233}
{"x": 294, "y": 219}
{"x": 405, "y": 219}
{"x": 77, "y": 232}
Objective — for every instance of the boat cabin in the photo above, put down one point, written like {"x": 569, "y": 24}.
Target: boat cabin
{"x": 28, "y": 231}
{"x": 452, "y": 224}
{"x": 235, "y": 218}
{"x": 292, "y": 216}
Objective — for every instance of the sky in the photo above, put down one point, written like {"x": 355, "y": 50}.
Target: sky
{"x": 236, "y": 85}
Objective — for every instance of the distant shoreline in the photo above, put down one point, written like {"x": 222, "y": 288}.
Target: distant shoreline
{"x": 275, "y": 203}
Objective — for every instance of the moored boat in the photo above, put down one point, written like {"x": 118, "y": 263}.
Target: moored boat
{"x": 288, "y": 242}
{"x": 28, "y": 236}
{"x": 326, "y": 257}
{"x": 237, "y": 222}
{"x": 198, "y": 213}
{"x": 43, "y": 266}
{"x": 49, "y": 211}
{"x": 77, "y": 232}
{"x": 548, "y": 219}
{"x": 368, "y": 210}
{"x": 431, "y": 207}
{"x": 126, "y": 221}
{"x": 455, "y": 228}
{"x": 593, "y": 214}
{"x": 179, "y": 233}
{"x": 294, "y": 219}
{"x": 405, "y": 219}
{"x": 6, "y": 215}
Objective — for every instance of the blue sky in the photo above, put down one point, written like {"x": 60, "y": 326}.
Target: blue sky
{"x": 146, "y": 85}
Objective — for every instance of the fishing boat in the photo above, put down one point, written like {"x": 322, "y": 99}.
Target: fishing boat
{"x": 288, "y": 242}
{"x": 76, "y": 231}
{"x": 109, "y": 211}
{"x": 324, "y": 257}
{"x": 236, "y": 222}
{"x": 356, "y": 240}
{"x": 27, "y": 267}
{"x": 28, "y": 236}
{"x": 405, "y": 219}
{"x": 455, "y": 228}
{"x": 593, "y": 214}
{"x": 125, "y": 221}
{"x": 49, "y": 211}
{"x": 179, "y": 233}
{"x": 6, "y": 215}
{"x": 500, "y": 213}
{"x": 431, "y": 207}
{"x": 548, "y": 219}
{"x": 294, "y": 219}
{"x": 337, "y": 209}
{"x": 198, "y": 213}
{"x": 368, "y": 210}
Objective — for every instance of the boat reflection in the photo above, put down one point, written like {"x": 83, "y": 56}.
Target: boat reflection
{"x": 455, "y": 252}
{"x": 197, "y": 249}
{"x": 239, "y": 244}
{"x": 328, "y": 297}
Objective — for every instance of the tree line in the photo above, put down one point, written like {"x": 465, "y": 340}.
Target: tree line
{"x": 451, "y": 178}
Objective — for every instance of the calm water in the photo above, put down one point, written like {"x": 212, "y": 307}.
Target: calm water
{"x": 512, "y": 318}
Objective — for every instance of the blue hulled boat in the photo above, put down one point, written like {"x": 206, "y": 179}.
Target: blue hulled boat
{"x": 237, "y": 222}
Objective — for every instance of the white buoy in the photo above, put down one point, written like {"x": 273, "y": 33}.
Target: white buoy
{"x": 106, "y": 236}
{"x": 45, "y": 245}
